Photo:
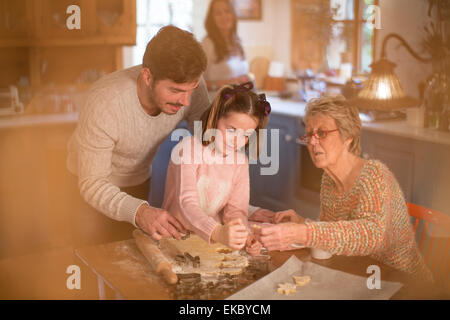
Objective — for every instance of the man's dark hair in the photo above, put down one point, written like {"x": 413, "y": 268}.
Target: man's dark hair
{"x": 174, "y": 54}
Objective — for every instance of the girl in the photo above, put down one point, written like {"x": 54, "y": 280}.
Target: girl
{"x": 207, "y": 186}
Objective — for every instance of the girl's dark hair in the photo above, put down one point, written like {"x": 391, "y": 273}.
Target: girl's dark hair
{"x": 174, "y": 54}
{"x": 213, "y": 32}
{"x": 229, "y": 100}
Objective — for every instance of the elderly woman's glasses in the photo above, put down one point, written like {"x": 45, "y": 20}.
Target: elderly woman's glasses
{"x": 319, "y": 134}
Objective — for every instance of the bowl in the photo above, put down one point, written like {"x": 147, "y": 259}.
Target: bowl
{"x": 320, "y": 254}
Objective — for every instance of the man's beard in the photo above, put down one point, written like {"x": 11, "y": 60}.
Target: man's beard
{"x": 152, "y": 100}
{"x": 160, "y": 107}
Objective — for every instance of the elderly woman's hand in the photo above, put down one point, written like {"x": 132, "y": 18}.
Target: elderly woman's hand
{"x": 288, "y": 216}
{"x": 283, "y": 235}
{"x": 262, "y": 215}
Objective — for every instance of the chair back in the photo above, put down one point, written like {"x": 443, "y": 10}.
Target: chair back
{"x": 259, "y": 66}
{"x": 432, "y": 229}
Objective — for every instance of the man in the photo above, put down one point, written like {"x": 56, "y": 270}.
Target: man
{"x": 127, "y": 115}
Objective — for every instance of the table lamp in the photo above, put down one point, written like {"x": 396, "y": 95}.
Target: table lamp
{"x": 383, "y": 91}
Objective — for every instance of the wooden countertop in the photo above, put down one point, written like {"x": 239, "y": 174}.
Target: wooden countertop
{"x": 125, "y": 270}
{"x": 28, "y": 120}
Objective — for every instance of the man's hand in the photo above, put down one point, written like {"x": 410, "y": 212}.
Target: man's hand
{"x": 158, "y": 223}
{"x": 232, "y": 234}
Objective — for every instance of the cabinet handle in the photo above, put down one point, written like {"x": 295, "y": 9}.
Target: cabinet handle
{"x": 288, "y": 138}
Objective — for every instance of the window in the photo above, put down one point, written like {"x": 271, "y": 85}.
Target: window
{"x": 353, "y": 36}
{"x": 154, "y": 14}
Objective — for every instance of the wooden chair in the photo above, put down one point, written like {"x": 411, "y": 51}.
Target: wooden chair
{"x": 259, "y": 66}
{"x": 435, "y": 247}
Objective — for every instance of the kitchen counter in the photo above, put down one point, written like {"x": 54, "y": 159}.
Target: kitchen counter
{"x": 393, "y": 127}
{"x": 37, "y": 120}
{"x": 280, "y": 106}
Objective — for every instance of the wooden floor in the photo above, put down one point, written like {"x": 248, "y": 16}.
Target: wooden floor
{"x": 43, "y": 276}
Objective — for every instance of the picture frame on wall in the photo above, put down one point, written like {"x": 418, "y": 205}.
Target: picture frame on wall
{"x": 248, "y": 9}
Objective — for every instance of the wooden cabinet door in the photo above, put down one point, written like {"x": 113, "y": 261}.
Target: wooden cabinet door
{"x": 275, "y": 191}
{"x": 432, "y": 176}
{"x": 40, "y": 23}
{"x": 51, "y": 18}
{"x": 116, "y": 18}
{"x": 67, "y": 65}
{"x": 396, "y": 153}
{"x": 16, "y": 19}
{"x": 308, "y": 45}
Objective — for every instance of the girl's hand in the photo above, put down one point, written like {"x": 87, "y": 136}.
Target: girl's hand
{"x": 288, "y": 216}
{"x": 283, "y": 235}
{"x": 253, "y": 246}
{"x": 232, "y": 234}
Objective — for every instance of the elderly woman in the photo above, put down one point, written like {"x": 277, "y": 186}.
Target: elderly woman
{"x": 363, "y": 211}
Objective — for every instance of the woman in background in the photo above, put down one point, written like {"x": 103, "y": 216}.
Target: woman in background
{"x": 226, "y": 59}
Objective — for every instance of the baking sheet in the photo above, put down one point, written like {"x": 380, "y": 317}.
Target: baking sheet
{"x": 326, "y": 284}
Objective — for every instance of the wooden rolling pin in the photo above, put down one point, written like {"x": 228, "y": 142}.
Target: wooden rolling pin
{"x": 157, "y": 260}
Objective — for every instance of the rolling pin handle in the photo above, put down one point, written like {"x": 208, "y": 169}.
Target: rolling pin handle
{"x": 169, "y": 276}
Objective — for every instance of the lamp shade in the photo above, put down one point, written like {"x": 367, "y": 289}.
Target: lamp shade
{"x": 382, "y": 90}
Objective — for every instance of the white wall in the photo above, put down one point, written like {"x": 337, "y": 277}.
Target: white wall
{"x": 406, "y": 18}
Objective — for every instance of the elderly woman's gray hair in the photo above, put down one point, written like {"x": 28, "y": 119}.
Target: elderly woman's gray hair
{"x": 345, "y": 116}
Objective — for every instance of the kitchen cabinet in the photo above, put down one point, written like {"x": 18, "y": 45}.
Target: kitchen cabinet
{"x": 275, "y": 191}
{"x": 36, "y": 31}
{"x": 34, "y": 197}
{"x": 51, "y": 16}
{"x": 38, "y": 23}
{"x": 116, "y": 19}
{"x": 16, "y": 19}
{"x": 396, "y": 153}
{"x": 84, "y": 66}
{"x": 421, "y": 168}
{"x": 308, "y": 47}
{"x": 14, "y": 65}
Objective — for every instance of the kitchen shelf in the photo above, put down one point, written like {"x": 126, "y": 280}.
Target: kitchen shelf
{"x": 38, "y": 49}
{"x": 111, "y": 22}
